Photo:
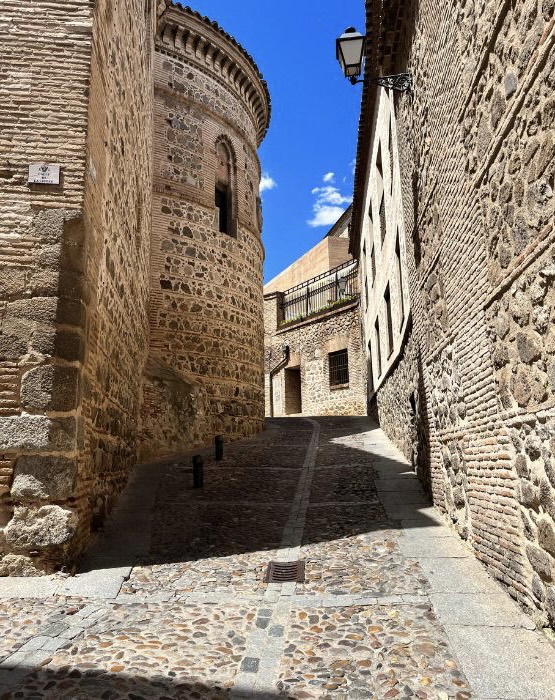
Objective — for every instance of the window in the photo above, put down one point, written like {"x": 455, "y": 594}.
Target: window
{"x": 387, "y": 299}
{"x": 379, "y": 165}
{"x": 223, "y": 195}
{"x": 378, "y": 347}
{"x": 373, "y": 261}
{"x": 390, "y": 153}
{"x": 370, "y": 370}
{"x": 382, "y": 218}
{"x": 400, "y": 277}
{"x": 339, "y": 368}
{"x": 366, "y": 291}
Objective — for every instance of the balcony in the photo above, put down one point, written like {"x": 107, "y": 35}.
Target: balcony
{"x": 329, "y": 291}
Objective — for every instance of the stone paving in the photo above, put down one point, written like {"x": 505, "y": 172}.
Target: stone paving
{"x": 172, "y": 602}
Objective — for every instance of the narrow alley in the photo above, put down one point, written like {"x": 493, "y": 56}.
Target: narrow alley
{"x": 172, "y": 602}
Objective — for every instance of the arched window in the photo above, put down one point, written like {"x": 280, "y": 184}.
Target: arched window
{"x": 224, "y": 196}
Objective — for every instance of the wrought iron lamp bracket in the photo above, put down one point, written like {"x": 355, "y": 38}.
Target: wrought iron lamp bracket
{"x": 402, "y": 82}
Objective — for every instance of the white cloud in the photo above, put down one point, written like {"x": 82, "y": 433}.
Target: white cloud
{"x": 328, "y": 207}
{"x": 267, "y": 182}
{"x": 329, "y": 177}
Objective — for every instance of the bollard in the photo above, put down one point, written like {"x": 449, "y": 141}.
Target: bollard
{"x": 198, "y": 472}
{"x": 219, "y": 444}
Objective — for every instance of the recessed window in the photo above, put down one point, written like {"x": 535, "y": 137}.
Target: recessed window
{"x": 339, "y": 368}
{"x": 382, "y": 218}
{"x": 221, "y": 201}
{"x": 373, "y": 262}
{"x": 379, "y": 165}
{"x": 387, "y": 300}
{"x": 378, "y": 348}
{"x": 370, "y": 369}
{"x": 400, "y": 277}
{"x": 223, "y": 190}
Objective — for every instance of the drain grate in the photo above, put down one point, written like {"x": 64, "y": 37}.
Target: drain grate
{"x": 285, "y": 571}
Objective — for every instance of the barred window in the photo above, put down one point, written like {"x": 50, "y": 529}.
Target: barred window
{"x": 339, "y": 367}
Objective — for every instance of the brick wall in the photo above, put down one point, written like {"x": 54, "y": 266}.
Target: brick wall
{"x": 476, "y": 151}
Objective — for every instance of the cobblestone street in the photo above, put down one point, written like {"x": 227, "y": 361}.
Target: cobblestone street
{"x": 171, "y": 602}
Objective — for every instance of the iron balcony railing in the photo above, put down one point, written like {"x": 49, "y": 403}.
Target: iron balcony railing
{"x": 318, "y": 294}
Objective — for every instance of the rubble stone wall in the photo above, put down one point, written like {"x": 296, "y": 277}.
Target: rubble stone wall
{"x": 477, "y": 153}
{"x": 118, "y": 198}
{"x": 206, "y": 325}
{"x": 310, "y": 343}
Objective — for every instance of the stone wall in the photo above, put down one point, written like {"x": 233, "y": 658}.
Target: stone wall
{"x": 41, "y": 235}
{"x": 72, "y": 308}
{"x": 476, "y": 152}
{"x": 118, "y": 211}
{"x": 305, "y": 365}
{"x": 206, "y": 327}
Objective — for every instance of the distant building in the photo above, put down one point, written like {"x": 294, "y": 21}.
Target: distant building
{"x": 453, "y": 226}
{"x": 313, "y": 360}
{"x": 131, "y": 316}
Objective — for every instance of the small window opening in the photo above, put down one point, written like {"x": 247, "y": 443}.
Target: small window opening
{"x": 373, "y": 261}
{"x": 379, "y": 165}
{"x": 370, "y": 369}
{"x": 400, "y": 277}
{"x": 387, "y": 299}
{"x": 378, "y": 347}
{"x": 382, "y": 218}
{"x": 339, "y": 368}
{"x": 222, "y": 199}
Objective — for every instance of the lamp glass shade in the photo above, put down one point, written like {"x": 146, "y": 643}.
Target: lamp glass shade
{"x": 350, "y": 51}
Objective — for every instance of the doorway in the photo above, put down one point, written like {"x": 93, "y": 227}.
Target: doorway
{"x": 293, "y": 394}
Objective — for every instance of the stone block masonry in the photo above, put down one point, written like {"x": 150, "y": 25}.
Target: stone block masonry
{"x": 74, "y": 276}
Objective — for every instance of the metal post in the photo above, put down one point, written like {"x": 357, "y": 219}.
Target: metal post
{"x": 198, "y": 472}
{"x": 219, "y": 445}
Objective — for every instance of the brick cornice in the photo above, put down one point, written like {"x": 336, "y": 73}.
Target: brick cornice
{"x": 205, "y": 42}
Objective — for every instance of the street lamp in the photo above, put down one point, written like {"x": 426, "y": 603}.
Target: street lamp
{"x": 349, "y": 48}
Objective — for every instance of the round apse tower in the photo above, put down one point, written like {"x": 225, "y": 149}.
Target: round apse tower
{"x": 212, "y": 108}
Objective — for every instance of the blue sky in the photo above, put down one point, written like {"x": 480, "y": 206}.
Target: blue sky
{"x": 307, "y": 156}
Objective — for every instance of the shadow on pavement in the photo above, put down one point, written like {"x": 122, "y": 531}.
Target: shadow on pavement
{"x": 246, "y": 499}
{"x": 99, "y": 684}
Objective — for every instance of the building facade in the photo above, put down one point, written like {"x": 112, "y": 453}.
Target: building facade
{"x": 204, "y": 374}
{"x": 465, "y": 257}
{"x": 313, "y": 356}
{"x": 86, "y": 280}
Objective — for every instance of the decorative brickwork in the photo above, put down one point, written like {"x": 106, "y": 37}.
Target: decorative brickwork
{"x": 204, "y": 376}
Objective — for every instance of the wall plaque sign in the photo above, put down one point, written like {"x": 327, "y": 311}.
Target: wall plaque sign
{"x": 44, "y": 173}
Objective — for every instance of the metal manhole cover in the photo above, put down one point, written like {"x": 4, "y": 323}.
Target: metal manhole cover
{"x": 285, "y": 571}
